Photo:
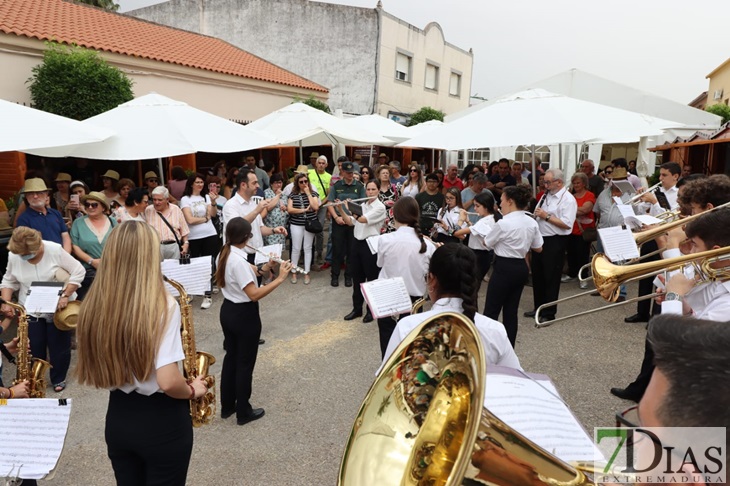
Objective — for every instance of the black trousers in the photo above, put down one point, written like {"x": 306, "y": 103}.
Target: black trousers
{"x": 86, "y": 283}
{"x": 342, "y": 236}
{"x": 209, "y": 246}
{"x": 149, "y": 438}
{"x": 547, "y": 267}
{"x": 241, "y": 331}
{"x": 646, "y": 285}
{"x": 44, "y": 335}
{"x": 578, "y": 252}
{"x": 363, "y": 266}
{"x": 386, "y": 326}
{"x": 504, "y": 292}
{"x": 641, "y": 382}
{"x": 484, "y": 263}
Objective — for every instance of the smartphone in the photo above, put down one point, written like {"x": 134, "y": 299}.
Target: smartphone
{"x": 75, "y": 198}
{"x": 213, "y": 187}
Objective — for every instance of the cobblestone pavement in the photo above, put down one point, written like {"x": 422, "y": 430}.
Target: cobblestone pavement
{"x": 315, "y": 369}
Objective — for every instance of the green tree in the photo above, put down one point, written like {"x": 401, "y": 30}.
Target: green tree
{"x": 425, "y": 114}
{"x": 105, "y": 4}
{"x": 313, "y": 102}
{"x": 720, "y": 109}
{"x": 77, "y": 83}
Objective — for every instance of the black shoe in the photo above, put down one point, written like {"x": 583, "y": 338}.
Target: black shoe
{"x": 637, "y": 318}
{"x": 368, "y": 317}
{"x": 262, "y": 341}
{"x": 529, "y": 313}
{"x": 335, "y": 282}
{"x": 626, "y": 394}
{"x": 348, "y": 282}
{"x": 352, "y": 315}
{"x": 546, "y": 318}
{"x": 225, "y": 415}
{"x": 254, "y": 414}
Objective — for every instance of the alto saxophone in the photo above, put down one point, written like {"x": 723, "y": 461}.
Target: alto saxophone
{"x": 29, "y": 368}
{"x": 196, "y": 363}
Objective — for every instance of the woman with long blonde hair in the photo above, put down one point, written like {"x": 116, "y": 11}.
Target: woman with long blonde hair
{"x": 129, "y": 341}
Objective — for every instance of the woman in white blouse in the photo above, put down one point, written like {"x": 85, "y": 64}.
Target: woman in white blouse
{"x": 414, "y": 183}
{"x": 485, "y": 207}
{"x": 447, "y": 219}
{"x": 33, "y": 260}
{"x": 403, "y": 253}
{"x": 452, "y": 288}
{"x": 511, "y": 238}
{"x": 240, "y": 319}
{"x": 129, "y": 342}
{"x": 364, "y": 265}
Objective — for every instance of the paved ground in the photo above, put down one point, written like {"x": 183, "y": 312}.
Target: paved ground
{"x": 314, "y": 371}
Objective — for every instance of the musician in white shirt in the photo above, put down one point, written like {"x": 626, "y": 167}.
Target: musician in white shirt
{"x": 511, "y": 238}
{"x": 555, "y": 214}
{"x": 364, "y": 263}
{"x": 452, "y": 288}
{"x": 403, "y": 253}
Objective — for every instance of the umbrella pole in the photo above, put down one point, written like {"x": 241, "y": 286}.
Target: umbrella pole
{"x": 301, "y": 155}
{"x": 534, "y": 173}
{"x": 560, "y": 156}
{"x": 162, "y": 172}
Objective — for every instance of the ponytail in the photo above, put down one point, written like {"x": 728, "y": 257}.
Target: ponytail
{"x": 220, "y": 271}
{"x": 406, "y": 211}
{"x": 417, "y": 228}
{"x": 238, "y": 230}
{"x": 454, "y": 267}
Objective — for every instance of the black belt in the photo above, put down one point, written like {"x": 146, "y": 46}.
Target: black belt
{"x": 168, "y": 242}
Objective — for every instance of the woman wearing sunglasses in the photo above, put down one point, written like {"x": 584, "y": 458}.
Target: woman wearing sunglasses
{"x": 303, "y": 203}
{"x": 415, "y": 182}
{"x": 366, "y": 175}
{"x": 89, "y": 234}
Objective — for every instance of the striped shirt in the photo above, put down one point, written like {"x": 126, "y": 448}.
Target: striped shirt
{"x": 301, "y": 201}
{"x": 174, "y": 216}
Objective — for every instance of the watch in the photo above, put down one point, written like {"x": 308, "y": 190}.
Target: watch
{"x": 90, "y": 262}
{"x": 547, "y": 218}
{"x": 670, "y": 296}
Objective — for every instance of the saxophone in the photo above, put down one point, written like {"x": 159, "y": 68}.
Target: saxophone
{"x": 196, "y": 363}
{"x": 29, "y": 368}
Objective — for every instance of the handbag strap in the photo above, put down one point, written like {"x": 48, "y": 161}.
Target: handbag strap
{"x": 321, "y": 183}
{"x": 171, "y": 228}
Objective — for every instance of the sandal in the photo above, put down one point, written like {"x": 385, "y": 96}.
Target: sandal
{"x": 306, "y": 279}
{"x": 59, "y": 387}
{"x": 294, "y": 278}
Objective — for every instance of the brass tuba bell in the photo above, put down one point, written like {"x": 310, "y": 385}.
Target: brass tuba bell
{"x": 423, "y": 421}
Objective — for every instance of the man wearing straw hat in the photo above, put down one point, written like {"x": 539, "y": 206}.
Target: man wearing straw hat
{"x": 40, "y": 217}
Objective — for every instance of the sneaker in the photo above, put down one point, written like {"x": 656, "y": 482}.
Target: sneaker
{"x": 215, "y": 289}
{"x": 207, "y": 302}
{"x": 566, "y": 278}
{"x": 584, "y": 285}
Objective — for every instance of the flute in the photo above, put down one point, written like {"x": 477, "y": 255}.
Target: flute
{"x": 326, "y": 205}
{"x": 271, "y": 256}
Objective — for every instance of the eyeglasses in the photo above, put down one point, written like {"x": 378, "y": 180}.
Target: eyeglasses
{"x": 547, "y": 182}
{"x": 153, "y": 180}
{"x": 303, "y": 182}
{"x": 92, "y": 205}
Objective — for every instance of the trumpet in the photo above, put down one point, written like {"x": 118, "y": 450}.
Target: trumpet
{"x": 637, "y": 198}
{"x": 277, "y": 259}
{"x": 608, "y": 278}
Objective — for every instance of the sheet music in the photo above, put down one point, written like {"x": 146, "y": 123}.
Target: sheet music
{"x": 535, "y": 410}
{"x": 33, "y": 431}
{"x": 373, "y": 244}
{"x": 274, "y": 249}
{"x": 636, "y": 220}
{"x": 625, "y": 187}
{"x": 194, "y": 276}
{"x": 43, "y": 297}
{"x": 618, "y": 243}
{"x": 387, "y": 297}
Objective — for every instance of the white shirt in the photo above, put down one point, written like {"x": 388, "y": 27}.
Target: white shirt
{"x": 671, "y": 195}
{"x": 479, "y": 230}
{"x": 451, "y": 218}
{"x": 398, "y": 256}
{"x": 237, "y": 206}
{"x": 561, "y": 205}
{"x": 198, "y": 206}
{"x": 708, "y": 301}
{"x": 237, "y": 276}
{"x": 410, "y": 190}
{"x": 514, "y": 235}
{"x": 20, "y": 273}
{"x": 497, "y": 347}
{"x": 374, "y": 212}
{"x": 169, "y": 351}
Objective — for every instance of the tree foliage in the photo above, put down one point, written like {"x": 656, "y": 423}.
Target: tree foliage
{"x": 425, "y": 114}
{"x": 77, "y": 83}
{"x": 720, "y": 109}
{"x": 105, "y": 4}
{"x": 313, "y": 102}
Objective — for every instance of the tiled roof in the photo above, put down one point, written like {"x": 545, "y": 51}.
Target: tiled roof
{"x": 94, "y": 28}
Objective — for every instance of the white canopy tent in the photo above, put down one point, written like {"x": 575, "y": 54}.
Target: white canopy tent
{"x": 154, "y": 126}
{"x": 380, "y": 125}
{"x": 24, "y": 129}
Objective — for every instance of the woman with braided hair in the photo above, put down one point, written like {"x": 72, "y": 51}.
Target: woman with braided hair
{"x": 403, "y": 253}
{"x": 452, "y": 287}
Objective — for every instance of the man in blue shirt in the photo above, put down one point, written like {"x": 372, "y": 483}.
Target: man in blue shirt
{"x": 38, "y": 216}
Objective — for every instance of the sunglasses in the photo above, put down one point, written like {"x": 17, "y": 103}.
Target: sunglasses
{"x": 303, "y": 182}
{"x": 608, "y": 172}
{"x": 92, "y": 205}
{"x": 153, "y": 180}
{"x": 414, "y": 170}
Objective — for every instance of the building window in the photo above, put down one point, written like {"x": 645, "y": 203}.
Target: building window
{"x": 523, "y": 154}
{"x": 476, "y": 157}
{"x": 403, "y": 67}
{"x": 455, "y": 84}
{"x": 432, "y": 77}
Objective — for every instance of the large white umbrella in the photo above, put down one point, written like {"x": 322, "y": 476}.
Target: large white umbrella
{"x": 424, "y": 127}
{"x": 381, "y": 126}
{"x": 23, "y": 129}
{"x": 154, "y": 126}
{"x": 538, "y": 117}
{"x": 301, "y": 125}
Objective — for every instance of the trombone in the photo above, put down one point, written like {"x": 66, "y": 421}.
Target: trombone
{"x": 608, "y": 278}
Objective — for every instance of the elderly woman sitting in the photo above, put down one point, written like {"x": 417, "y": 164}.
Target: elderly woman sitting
{"x": 33, "y": 260}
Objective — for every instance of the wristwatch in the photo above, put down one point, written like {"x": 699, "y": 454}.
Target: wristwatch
{"x": 547, "y": 218}
{"x": 672, "y": 296}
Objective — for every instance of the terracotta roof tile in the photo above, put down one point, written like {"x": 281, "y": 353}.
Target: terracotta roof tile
{"x": 98, "y": 29}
